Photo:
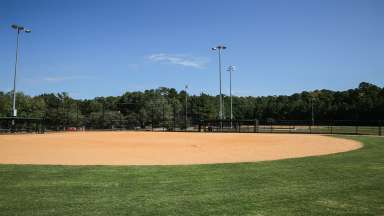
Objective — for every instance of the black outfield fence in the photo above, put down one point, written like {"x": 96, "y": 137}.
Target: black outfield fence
{"x": 39, "y": 125}
{"x": 291, "y": 126}
{"x": 21, "y": 125}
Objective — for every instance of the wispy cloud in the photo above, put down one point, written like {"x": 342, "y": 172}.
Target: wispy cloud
{"x": 177, "y": 59}
{"x": 63, "y": 78}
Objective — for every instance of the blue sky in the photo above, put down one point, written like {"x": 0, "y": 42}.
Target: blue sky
{"x": 102, "y": 48}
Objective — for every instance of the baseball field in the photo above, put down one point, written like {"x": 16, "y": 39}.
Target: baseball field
{"x": 144, "y": 173}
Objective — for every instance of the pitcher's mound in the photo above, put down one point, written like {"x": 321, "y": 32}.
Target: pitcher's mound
{"x": 157, "y": 148}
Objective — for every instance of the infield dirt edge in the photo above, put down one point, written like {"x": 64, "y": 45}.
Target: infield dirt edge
{"x": 158, "y": 148}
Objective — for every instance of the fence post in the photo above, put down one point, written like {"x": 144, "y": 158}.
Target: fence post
{"x": 331, "y": 128}
{"x": 356, "y": 129}
{"x": 380, "y": 132}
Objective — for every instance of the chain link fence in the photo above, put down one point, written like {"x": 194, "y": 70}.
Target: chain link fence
{"x": 290, "y": 126}
{"x": 180, "y": 123}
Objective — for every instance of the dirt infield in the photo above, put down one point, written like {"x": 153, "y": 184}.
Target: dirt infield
{"x": 157, "y": 148}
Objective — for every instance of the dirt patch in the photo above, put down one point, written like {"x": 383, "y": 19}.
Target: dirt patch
{"x": 155, "y": 148}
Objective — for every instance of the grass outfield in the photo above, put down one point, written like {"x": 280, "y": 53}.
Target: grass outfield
{"x": 349, "y": 183}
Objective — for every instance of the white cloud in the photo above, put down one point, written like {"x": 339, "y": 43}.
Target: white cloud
{"x": 184, "y": 60}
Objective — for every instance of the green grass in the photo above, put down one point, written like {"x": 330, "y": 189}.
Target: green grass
{"x": 349, "y": 183}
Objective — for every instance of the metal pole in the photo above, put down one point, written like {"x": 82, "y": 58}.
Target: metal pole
{"x": 163, "y": 117}
{"x": 230, "y": 91}
{"x": 219, "y": 48}
{"x": 221, "y": 98}
{"x": 19, "y": 30}
{"x": 14, "y": 112}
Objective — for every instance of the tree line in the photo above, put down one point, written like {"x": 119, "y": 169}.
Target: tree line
{"x": 167, "y": 106}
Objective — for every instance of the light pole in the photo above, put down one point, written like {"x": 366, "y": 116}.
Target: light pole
{"x": 219, "y": 49}
{"x": 19, "y": 29}
{"x": 230, "y": 69}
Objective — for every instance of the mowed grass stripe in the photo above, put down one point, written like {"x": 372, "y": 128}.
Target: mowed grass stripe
{"x": 350, "y": 183}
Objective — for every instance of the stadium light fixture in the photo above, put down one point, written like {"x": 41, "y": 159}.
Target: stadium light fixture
{"x": 19, "y": 29}
{"x": 219, "y": 49}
